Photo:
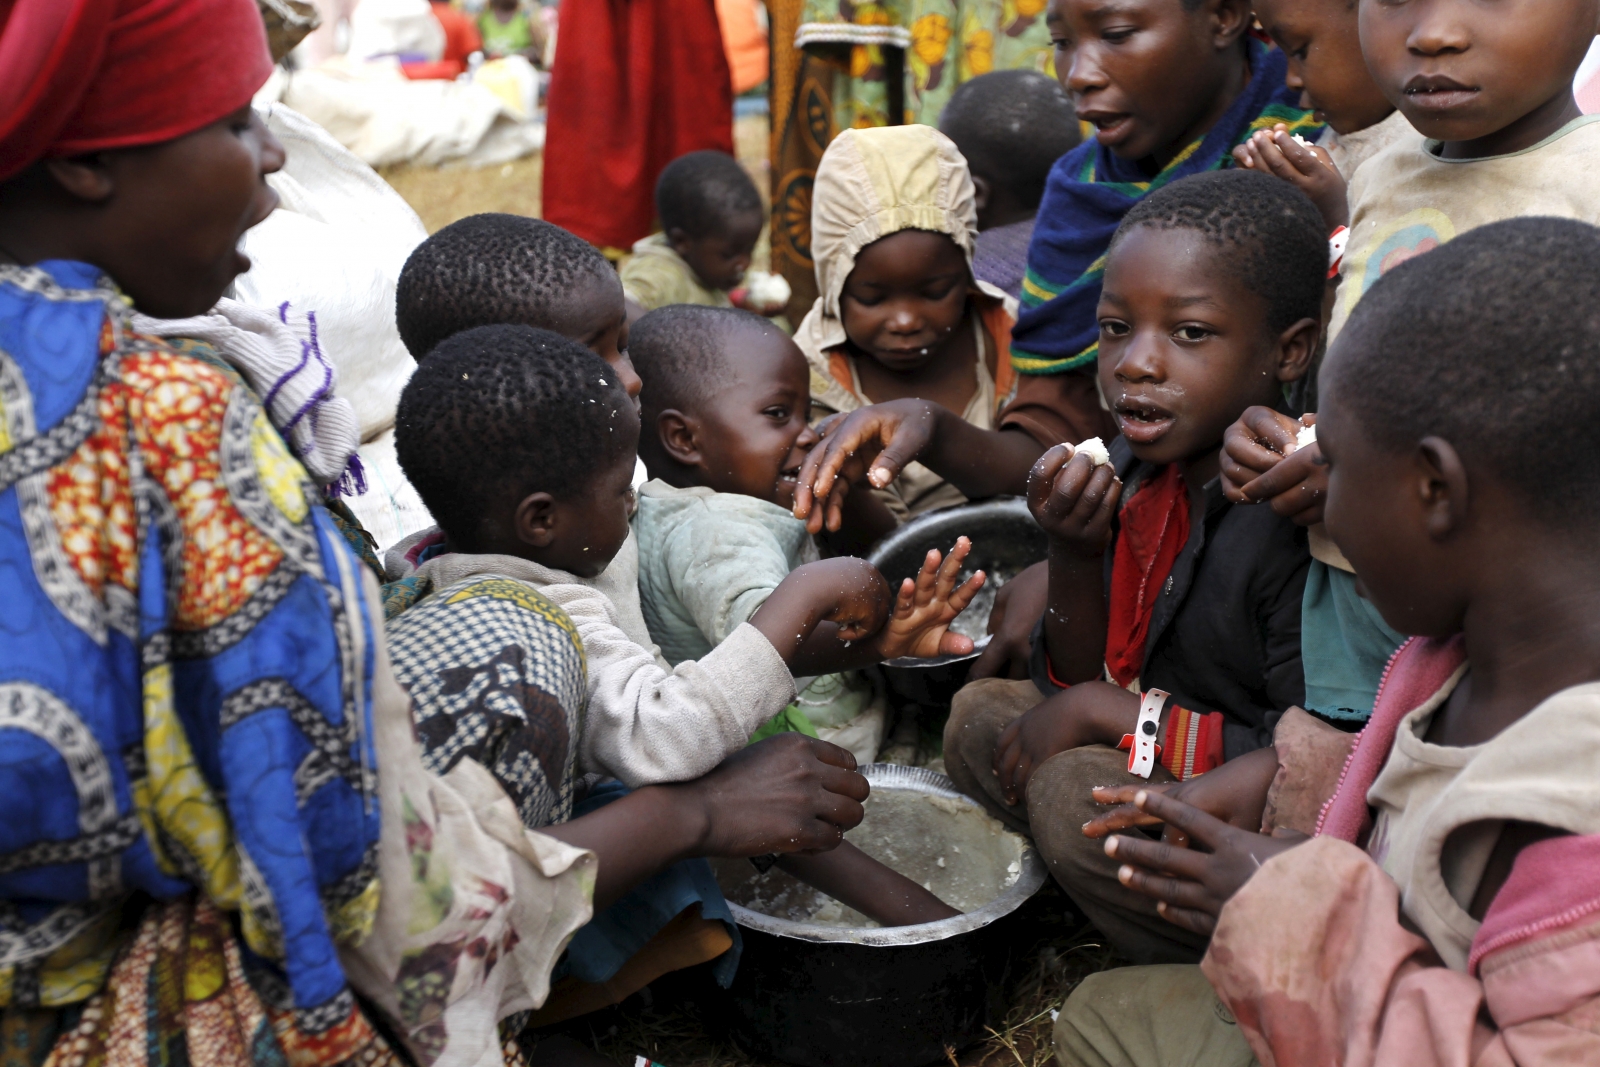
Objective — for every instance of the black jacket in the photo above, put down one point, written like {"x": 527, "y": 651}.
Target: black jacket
{"x": 1225, "y": 635}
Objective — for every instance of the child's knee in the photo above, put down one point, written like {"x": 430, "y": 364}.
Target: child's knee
{"x": 980, "y": 713}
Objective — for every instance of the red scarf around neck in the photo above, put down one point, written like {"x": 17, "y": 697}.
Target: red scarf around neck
{"x": 1155, "y": 527}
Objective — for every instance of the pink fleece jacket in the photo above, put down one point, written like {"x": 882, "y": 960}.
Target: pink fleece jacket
{"x": 1311, "y": 957}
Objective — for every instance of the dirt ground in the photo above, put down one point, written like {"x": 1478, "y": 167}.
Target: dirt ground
{"x": 441, "y": 195}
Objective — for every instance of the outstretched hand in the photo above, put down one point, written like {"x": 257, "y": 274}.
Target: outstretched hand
{"x": 1307, "y": 167}
{"x": 871, "y": 444}
{"x": 1191, "y": 885}
{"x": 925, "y": 607}
{"x": 787, "y": 794}
{"x": 1262, "y": 463}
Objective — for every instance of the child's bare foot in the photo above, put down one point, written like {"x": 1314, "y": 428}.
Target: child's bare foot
{"x": 925, "y": 607}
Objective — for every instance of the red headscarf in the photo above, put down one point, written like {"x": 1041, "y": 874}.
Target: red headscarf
{"x": 84, "y": 75}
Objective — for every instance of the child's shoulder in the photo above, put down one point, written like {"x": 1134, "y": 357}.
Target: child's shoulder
{"x": 705, "y": 515}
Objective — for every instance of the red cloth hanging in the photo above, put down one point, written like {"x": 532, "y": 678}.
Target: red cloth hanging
{"x": 81, "y": 76}
{"x": 1155, "y": 527}
{"x": 636, "y": 84}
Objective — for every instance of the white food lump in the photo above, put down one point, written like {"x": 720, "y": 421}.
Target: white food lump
{"x": 1095, "y": 449}
{"x": 1306, "y": 436}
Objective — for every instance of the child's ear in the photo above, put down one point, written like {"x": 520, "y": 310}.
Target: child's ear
{"x": 1441, "y": 486}
{"x": 1297, "y": 347}
{"x": 1230, "y": 20}
{"x": 84, "y": 177}
{"x": 981, "y": 191}
{"x": 678, "y": 239}
{"x": 680, "y": 437}
{"x": 535, "y": 520}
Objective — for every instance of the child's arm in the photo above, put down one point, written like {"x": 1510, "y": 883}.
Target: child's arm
{"x": 918, "y": 625}
{"x": 1074, "y": 502}
{"x": 885, "y": 437}
{"x": 786, "y": 794}
{"x": 857, "y": 880}
{"x": 1308, "y": 168}
{"x": 1262, "y": 462}
{"x": 1235, "y": 792}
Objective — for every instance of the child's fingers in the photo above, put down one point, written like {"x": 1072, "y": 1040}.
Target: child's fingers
{"x": 951, "y": 570}
{"x": 1198, "y": 922}
{"x": 1120, "y": 818}
{"x": 928, "y": 578}
{"x": 1042, "y": 478}
{"x": 1092, "y": 492}
{"x": 905, "y": 599}
{"x": 1301, "y": 157}
{"x": 954, "y": 644}
{"x": 1156, "y": 858}
{"x": 961, "y": 597}
{"x": 1284, "y": 475}
{"x": 1199, "y": 825}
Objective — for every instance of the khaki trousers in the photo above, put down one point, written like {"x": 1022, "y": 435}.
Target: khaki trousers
{"x": 1058, "y": 804}
{"x": 1164, "y": 1016}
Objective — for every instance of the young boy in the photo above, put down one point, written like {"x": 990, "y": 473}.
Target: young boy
{"x": 716, "y": 534}
{"x": 710, "y": 213}
{"x": 523, "y": 444}
{"x": 1212, "y": 303}
{"x": 1444, "y": 914}
{"x": 1011, "y": 125}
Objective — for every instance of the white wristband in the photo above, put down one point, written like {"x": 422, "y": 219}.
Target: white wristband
{"x": 1143, "y": 749}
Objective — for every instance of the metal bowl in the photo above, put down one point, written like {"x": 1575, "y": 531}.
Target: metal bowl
{"x": 821, "y": 995}
{"x": 1005, "y": 541}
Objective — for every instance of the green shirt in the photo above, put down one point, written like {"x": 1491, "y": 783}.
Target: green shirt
{"x": 505, "y": 38}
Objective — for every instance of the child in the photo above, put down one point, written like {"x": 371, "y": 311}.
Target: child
{"x": 716, "y": 535}
{"x": 1500, "y": 135}
{"x": 1444, "y": 913}
{"x": 508, "y": 30}
{"x": 1211, "y": 303}
{"x": 1323, "y": 45}
{"x": 1171, "y": 89}
{"x": 490, "y": 269}
{"x": 539, "y": 491}
{"x": 1011, "y": 126}
{"x": 711, "y": 217}
{"x": 902, "y": 333}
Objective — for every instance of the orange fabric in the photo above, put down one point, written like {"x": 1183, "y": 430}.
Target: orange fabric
{"x": 1155, "y": 527}
{"x": 461, "y": 39}
{"x": 744, "y": 42}
{"x": 81, "y": 76}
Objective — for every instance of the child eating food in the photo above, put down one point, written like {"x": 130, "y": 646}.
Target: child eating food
{"x": 724, "y": 410}
{"x": 1211, "y": 303}
{"x": 902, "y": 336}
{"x": 1444, "y": 911}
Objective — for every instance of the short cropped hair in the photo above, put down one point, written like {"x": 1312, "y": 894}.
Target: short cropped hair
{"x": 679, "y": 352}
{"x": 491, "y": 269}
{"x": 502, "y": 410}
{"x": 1491, "y": 342}
{"x": 1270, "y": 235}
{"x": 1012, "y": 126}
{"x": 702, "y": 192}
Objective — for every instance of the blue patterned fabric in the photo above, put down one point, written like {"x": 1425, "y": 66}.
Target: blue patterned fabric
{"x": 185, "y": 659}
{"x": 1089, "y": 191}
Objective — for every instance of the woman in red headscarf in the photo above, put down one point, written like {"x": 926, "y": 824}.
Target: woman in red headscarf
{"x": 219, "y": 844}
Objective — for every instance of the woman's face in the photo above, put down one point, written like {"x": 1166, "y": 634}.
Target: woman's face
{"x": 905, "y": 298}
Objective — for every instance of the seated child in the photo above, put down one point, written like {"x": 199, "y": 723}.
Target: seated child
{"x": 724, "y": 415}
{"x": 523, "y": 445}
{"x": 1444, "y": 913}
{"x": 711, "y": 217}
{"x": 508, "y": 30}
{"x": 901, "y": 320}
{"x": 490, "y": 269}
{"x": 1010, "y": 126}
{"x": 1211, "y": 303}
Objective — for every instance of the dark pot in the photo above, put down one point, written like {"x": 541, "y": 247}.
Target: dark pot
{"x": 831, "y": 996}
{"x": 1005, "y": 541}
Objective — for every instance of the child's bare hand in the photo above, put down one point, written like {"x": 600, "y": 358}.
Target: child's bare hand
{"x": 1073, "y": 500}
{"x": 1236, "y": 793}
{"x": 1308, "y": 168}
{"x": 1261, "y": 462}
{"x": 873, "y": 444}
{"x": 1087, "y": 714}
{"x": 1018, "y": 606}
{"x": 843, "y": 590}
{"x": 1190, "y": 885}
{"x": 789, "y": 793}
{"x": 920, "y": 623}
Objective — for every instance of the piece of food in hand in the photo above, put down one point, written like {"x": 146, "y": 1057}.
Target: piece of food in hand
{"x": 1095, "y": 449}
{"x": 763, "y": 293}
{"x": 1306, "y": 436}
{"x": 1301, "y": 141}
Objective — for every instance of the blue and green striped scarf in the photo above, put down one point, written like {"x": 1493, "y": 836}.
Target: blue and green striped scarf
{"x": 1091, "y": 189}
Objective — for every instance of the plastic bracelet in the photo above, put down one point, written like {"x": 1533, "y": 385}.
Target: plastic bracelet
{"x": 1143, "y": 751}
{"x": 1338, "y": 240}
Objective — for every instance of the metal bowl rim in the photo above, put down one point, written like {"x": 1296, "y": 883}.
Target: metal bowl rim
{"x": 917, "y": 780}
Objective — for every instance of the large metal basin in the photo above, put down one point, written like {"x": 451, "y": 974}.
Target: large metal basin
{"x": 824, "y": 995}
{"x": 1005, "y": 541}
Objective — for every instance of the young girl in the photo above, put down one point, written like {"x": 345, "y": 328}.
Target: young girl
{"x": 901, "y": 334}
